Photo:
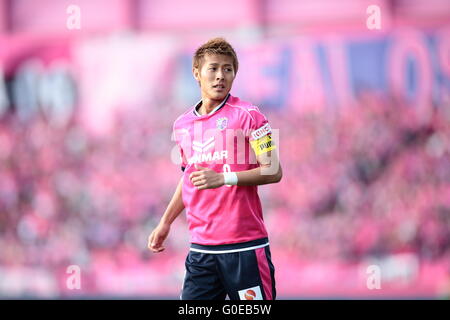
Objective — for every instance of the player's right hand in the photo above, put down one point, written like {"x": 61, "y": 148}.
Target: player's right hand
{"x": 157, "y": 237}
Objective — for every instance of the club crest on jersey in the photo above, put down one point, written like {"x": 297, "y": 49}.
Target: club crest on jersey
{"x": 222, "y": 123}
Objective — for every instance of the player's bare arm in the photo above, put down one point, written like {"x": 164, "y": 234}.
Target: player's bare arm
{"x": 160, "y": 233}
{"x": 269, "y": 171}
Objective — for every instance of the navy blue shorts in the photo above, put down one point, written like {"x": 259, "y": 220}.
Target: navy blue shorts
{"x": 243, "y": 271}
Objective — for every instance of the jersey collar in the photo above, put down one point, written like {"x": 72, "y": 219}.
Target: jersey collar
{"x": 212, "y": 112}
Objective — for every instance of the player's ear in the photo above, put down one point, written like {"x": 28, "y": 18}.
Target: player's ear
{"x": 196, "y": 74}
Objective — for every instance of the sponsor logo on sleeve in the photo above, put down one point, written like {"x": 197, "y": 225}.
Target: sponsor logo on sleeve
{"x": 261, "y": 132}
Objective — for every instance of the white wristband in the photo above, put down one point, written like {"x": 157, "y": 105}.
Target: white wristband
{"x": 230, "y": 178}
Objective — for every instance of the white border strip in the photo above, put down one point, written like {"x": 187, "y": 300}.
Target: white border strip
{"x": 229, "y": 251}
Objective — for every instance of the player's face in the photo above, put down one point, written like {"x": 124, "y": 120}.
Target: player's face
{"x": 215, "y": 76}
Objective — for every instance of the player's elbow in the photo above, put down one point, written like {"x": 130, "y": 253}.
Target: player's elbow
{"x": 278, "y": 176}
{"x": 274, "y": 177}
{"x": 272, "y": 172}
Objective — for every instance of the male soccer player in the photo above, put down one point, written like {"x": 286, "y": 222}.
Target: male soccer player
{"x": 229, "y": 252}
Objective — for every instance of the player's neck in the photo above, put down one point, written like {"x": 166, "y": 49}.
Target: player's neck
{"x": 208, "y": 105}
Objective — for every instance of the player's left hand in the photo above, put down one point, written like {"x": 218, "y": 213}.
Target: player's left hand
{"x": 206, "y": 178}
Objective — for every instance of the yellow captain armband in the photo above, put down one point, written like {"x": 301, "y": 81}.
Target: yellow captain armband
{"x": 262, "y": 145}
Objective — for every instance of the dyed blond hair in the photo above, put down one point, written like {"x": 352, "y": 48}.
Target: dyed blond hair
{"x": 215, "y": 46}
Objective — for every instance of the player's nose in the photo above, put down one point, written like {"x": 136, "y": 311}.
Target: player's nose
{"x": 219, "y": 75}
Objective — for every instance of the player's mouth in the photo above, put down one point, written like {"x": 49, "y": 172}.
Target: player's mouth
{"x": 219, "y": 87}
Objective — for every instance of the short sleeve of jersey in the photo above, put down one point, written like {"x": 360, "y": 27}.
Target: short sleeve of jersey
{"x": 259, "y": 125}
{"x": 259, "y": 131}
{"x": 252, "y": 120}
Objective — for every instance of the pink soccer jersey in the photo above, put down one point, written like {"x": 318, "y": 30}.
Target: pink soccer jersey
{"x": 221, "y": 141}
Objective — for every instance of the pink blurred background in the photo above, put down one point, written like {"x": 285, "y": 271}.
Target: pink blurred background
{"x": 86, "y": 166}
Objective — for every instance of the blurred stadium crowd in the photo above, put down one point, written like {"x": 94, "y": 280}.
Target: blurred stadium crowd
{"x": 362, "y": 184}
